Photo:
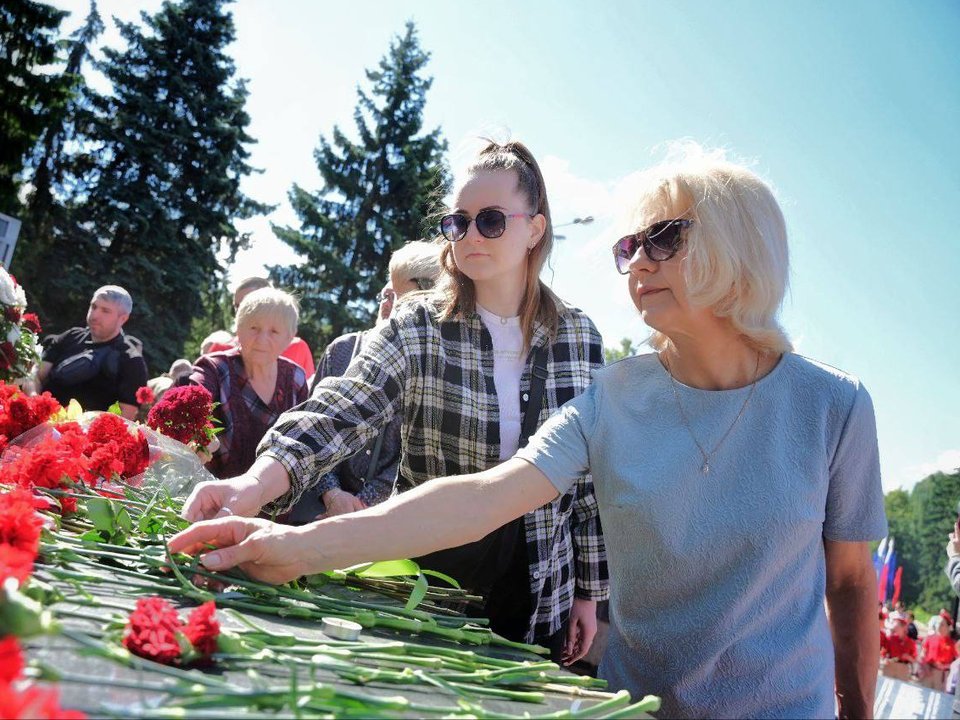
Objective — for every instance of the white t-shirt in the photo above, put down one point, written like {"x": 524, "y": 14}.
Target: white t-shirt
{"x": 508, "y": 365}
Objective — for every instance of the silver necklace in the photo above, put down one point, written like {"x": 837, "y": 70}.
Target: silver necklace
{"x": 705, "y": 468}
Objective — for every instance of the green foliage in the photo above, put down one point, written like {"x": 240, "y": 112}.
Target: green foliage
{"x": 151, "y": 193}
{"x": 377, "y": 195}
{"x": 920, "y": 522}
{"x": 57, "y": 252}
{"x": 170, "y": 155}
{"x": 217, "y": 314}
{"x": 29, "y": 94}
{"x": 626, "y": 349}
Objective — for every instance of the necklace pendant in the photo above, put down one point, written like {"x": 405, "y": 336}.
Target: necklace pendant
{"x": 706, "y": 467}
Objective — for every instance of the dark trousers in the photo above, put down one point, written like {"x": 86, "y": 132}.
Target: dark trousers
{"x": 498, "y": 568}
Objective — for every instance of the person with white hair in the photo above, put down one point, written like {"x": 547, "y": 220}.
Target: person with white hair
{"x": 252, "y": 383}
{"x": 297, "y": 350}
{"x": 97, "y": 365}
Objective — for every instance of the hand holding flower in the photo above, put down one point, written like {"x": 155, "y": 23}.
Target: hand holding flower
{"x": 265, "y": 551}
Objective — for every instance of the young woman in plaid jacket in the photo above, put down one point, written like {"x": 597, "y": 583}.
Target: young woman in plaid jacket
{"x": 456, "y": 364}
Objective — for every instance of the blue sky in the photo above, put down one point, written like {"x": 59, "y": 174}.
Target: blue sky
{"x": 850, "y": 110}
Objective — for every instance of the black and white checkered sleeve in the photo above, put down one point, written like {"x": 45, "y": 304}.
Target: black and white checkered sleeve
{"x": 341, "y": 416}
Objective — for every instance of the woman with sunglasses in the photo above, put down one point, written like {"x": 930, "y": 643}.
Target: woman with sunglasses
{"x": 737, "y": 481}
{"x": 471, "y": 369}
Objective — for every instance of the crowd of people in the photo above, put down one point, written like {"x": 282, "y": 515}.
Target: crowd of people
{"x": 927, "y": 654}
{"x": 474, "y": 429}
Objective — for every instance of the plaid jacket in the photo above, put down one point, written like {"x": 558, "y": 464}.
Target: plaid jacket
{"x": 439, "y": 377}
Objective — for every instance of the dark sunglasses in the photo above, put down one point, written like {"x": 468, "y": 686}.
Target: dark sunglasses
{"x": 490, "y": 224}
{"x": 660, "y": 242}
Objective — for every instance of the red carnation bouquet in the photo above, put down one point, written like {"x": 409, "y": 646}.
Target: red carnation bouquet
{"x": 20, "y": 413}
{"x": 186, "y": 415}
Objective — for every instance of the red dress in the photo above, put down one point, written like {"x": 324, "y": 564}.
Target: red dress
{"x": 937, "y": 648}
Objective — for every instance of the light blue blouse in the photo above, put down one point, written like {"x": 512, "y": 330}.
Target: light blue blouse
{"x": 717, "y": 580}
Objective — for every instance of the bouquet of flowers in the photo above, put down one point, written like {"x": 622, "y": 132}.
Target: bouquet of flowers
{"x": 19, "y": 349}
{"x": 185, "y": 414}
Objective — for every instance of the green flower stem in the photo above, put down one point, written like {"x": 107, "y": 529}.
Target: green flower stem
{"x": 649, "y": 704}
{"x": 90, "y": 496}
{"x": 577, "y": 680}
{"x": 526, "y": 696}
{"x": 503, "y": 642}
{"x": 125, "y": 657}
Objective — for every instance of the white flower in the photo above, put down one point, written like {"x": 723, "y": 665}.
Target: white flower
{"x": 8, "y": 291}
{"x": 13, "y": 335}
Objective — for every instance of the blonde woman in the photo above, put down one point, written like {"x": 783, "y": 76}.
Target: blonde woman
{"x": 738, "y": 482}
{"x": 458, "y": 366}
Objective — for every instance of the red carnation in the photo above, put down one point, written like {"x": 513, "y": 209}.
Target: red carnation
{"x": 12, "y": 314}
{"x": 105, "y": 462}
{"x": 109, "y": 434}
{"x": 11, "y": 660}
{"x": 19, "y": 523}
{"x": 19, "y": 413}
{"x": 51, "y": 463}
{"x": 202, "y": 628}
{"x": 183, "y": 414}
{"x": 152, "y": 631}
{"x": 8, "y": 355}
{"x": 15, "y": 563}
{"x": 32, "y": 323}
{"x": 33, "y": 703}
{"x": 145, "y": 395}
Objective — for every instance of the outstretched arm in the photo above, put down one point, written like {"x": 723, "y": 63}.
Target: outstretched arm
{"x": 439, "y": 514}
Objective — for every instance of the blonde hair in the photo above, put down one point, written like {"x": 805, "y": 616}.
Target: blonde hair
{"x": 269, "y": 300}
{"x": 417, "y": 260}
{"x": 737, "y": 259}
{"x": 456, "y": 290}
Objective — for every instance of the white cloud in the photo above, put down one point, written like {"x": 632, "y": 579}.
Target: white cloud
{"x": 948, "y": 461}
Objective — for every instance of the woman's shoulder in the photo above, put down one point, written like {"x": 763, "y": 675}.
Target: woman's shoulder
{"x": 221, "y": 361}
{"x": 292, "y": 370}
{"x": 814, "y": 376}
{"x": 575, "y": 323}
{"x": 633, "y": 367}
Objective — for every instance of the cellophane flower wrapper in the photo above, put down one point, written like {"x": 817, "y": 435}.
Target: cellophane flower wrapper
{"x": 172, "y": 465}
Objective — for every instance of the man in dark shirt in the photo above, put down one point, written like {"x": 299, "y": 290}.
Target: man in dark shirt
{"x": 97, "y": 365}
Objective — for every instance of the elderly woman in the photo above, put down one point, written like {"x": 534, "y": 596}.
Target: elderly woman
{"x": 252, "y": 383}
{"x": 730, "y": 472}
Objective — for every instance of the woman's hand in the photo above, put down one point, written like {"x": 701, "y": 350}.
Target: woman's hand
{"x": 581, "y": 630}
{"x": 340, "y": 502}
{"x": 265, "y": 551}
{"x": 243, "y": 495}
{"x": 239, "y": 496}
{"x": 205, "y": 452}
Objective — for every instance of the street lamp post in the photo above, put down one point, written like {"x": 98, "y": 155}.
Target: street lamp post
{"x": 576, "y": 221}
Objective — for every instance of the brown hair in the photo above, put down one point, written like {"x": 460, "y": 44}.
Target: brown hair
{"x": 457, "y": 292}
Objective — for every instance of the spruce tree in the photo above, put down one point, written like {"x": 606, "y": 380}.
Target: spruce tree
{"x": 57, "y": 252}
{"x": 377, "y": 194}
{"x": 28, "y": 92}
{"x": 168, "y": 152}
